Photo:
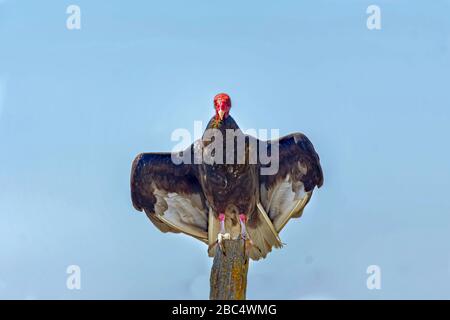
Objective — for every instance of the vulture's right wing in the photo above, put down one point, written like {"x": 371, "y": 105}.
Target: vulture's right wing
{"x": 170, "y": 195}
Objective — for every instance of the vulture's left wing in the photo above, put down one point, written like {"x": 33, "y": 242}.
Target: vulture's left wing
{"x": 285, "y": 193}
{"x": 169, "y": 194}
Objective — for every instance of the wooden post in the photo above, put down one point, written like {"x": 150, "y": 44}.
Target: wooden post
{"x": 228, "y": 279}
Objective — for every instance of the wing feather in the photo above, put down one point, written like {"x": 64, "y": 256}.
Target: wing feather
{"x": 169, "y": 194}
{"x": 285, "y": 194}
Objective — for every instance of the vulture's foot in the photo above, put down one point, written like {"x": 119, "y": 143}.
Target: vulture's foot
{"x": 243, "y": 221}
{"x": 248, "y": 243}
{"x": 219, "y": 242}
{"x": 223, "y": 235}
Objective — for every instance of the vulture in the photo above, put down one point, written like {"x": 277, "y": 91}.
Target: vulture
{"x": 217, "y": 190}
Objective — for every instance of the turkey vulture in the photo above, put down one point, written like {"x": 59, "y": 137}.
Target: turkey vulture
{"x": 221, "y": 199}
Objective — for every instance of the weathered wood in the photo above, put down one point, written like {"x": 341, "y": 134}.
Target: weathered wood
{"x": 228, "y": 279}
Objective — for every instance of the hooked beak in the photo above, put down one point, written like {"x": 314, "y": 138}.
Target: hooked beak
{"x": 221, "y": 113}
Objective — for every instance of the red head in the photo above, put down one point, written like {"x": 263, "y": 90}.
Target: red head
{"x": 222, "y": 104}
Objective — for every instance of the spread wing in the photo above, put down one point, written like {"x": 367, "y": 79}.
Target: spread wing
{"x": 169, "y": 194}
{"x": 285, "y": 193}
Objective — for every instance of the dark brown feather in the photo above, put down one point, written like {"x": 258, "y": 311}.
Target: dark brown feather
{"x": 296, "y": 148}
{"x": 158, "y": 169}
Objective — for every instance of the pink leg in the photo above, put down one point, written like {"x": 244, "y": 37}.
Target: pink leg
{"x": 243, "y": 220}
{"x": 222, "y": 222}
{"x": 222, "y": 233}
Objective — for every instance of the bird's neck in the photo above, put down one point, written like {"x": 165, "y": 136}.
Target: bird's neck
{"x": 226, "y": 123}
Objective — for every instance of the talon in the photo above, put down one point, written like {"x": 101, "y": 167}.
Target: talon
{"x": 217, "y": 243}
{"x": 220, "y": 238}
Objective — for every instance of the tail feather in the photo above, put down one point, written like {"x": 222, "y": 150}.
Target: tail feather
{"x": 264, "y": 236}
{"x": 213, "y": 230}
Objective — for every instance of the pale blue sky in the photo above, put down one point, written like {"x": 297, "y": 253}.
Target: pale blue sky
{"x": 77, "y": 106}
